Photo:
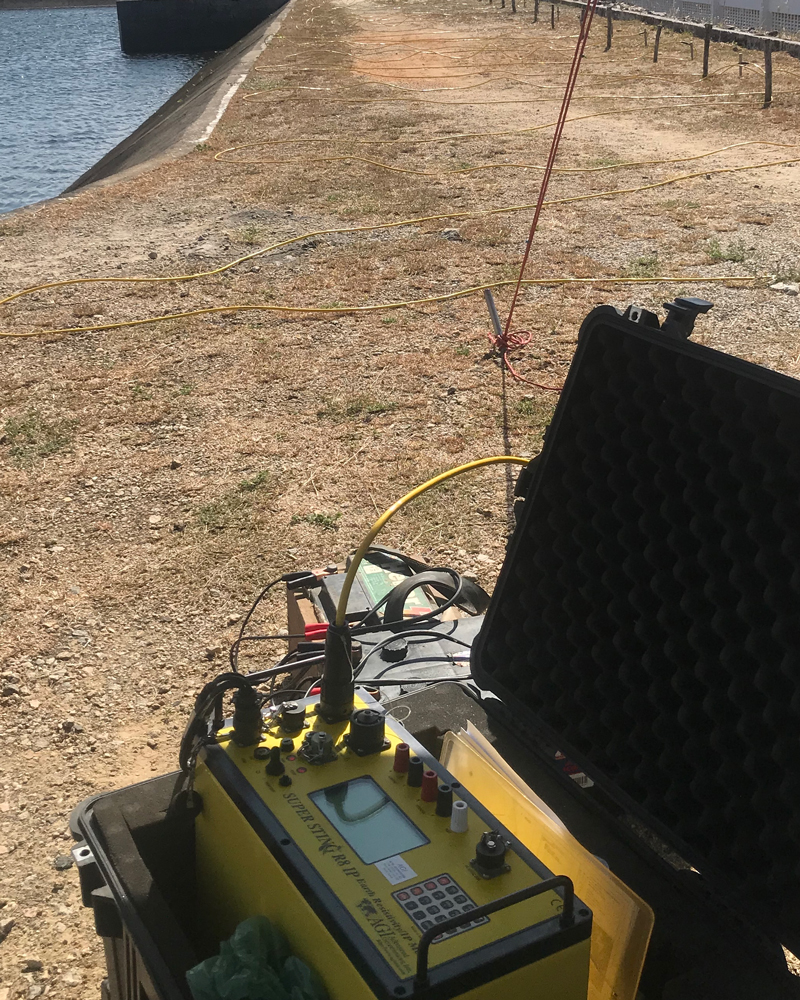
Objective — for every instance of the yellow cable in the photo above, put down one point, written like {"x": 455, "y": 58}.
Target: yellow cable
{"x": 323, "y": 232}
{"x": 516, "y": 100}
{"x": 405, "y": 222}
{"x": 343, "y": 230}
{"x": 369, "y": 538}
{"x": 625, "y": 164}
{"x": 458, "y": 136}
{"x": 402, "y": 304}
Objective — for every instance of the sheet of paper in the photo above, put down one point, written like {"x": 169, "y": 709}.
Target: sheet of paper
{"x": 622, "y": 922}
{"x": 396, "y": 870}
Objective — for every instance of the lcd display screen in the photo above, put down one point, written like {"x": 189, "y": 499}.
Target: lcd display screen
{"x": 368, "y": 819}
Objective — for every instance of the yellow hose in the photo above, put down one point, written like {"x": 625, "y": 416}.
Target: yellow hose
{"x": 624, "y": 165}
{"x": 691, "y": 102}
{"x": 458, "y": 136}
{"x": 252, "y": 98}
{"x": 358, "y": 229}
{"x": 369, "y": 538}
{"x": 382, "y": 306}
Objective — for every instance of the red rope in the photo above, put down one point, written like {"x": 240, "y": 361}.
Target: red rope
{"x": 509, "y": 341}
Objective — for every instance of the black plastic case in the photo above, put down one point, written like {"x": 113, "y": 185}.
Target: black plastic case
{"x": 647, "y": 616}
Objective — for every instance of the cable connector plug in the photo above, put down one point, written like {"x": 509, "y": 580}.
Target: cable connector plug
{"x": 337, "y": 695}
{"x": 247, "y": 721}
{"x": 300, "y": 579}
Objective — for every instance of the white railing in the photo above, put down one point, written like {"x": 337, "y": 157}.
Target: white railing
{"x": 782, "y": 16}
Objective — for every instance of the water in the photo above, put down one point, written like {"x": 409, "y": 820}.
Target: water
{"x": 68, "y": 95}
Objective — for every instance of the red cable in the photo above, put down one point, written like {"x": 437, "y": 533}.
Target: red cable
{"x": 514, "y": 341}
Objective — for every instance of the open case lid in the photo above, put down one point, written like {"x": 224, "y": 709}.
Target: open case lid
{"x": 647, "y": 616}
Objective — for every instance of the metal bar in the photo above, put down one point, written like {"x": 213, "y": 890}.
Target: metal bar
{"x": 609, "y": 26}
{"x": 706, "y": 48}
{"x": 498, "y": 328}
{"x": 567, "y": 917}
{"x": 768, "y": 72}
{"x": 656, "y": 42}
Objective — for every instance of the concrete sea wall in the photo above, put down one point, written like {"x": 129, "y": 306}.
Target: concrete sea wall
{"x": 190, "y": 115}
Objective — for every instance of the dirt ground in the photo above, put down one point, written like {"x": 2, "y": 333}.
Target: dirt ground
{"x": 153, "y": 477}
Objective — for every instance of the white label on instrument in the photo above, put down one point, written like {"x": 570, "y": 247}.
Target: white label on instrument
{"x": 395, "y": 870}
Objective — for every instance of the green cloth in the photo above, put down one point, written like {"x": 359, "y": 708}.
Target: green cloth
{"x": 255, "y": 964}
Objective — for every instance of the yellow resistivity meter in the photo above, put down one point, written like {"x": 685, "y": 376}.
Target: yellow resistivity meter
{"x": 386, "y": 875}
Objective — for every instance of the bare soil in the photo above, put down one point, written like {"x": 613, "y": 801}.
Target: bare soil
{"x": 152, "y": 478}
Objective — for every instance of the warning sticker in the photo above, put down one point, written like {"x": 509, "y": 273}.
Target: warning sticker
{"x": 395, "y": 870}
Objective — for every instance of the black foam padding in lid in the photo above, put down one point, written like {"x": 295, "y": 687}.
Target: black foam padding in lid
{"x": 647, "y": 616}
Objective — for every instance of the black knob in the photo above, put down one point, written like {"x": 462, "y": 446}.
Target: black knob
{"x": 415, "y": 771}
{"x": 367, "y": 732}
{"x": 395, "y": 651}
{"x": 292, "y": 717}
{"x": 284, "y": 781}
{"x": 490, "y": 853}
{"x": 275, "y": 764}
{"x": 287, "y": 745}
{"x": 444, "y": 800}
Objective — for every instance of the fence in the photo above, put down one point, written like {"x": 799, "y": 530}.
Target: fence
{"x": 707, "y": 31}
{"x": 782, "y": 16}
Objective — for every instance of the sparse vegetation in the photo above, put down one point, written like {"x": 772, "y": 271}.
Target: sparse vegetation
{"x": 234, "y": 509}
{"x": 251, "y": 235}
{"x": 140, "y": 393}
{"x": 735, "y": 252}
{"x": 260, "y": 479}
{"x": 34, "y": 436}
{"x": 328, "y": 522}
{"x": 789, "y": 275}
{"x": 646, "y": 266}
{"x": 12, "y": 228}
{"x": 358, "y": 406}
{"x": 609, "y": 160}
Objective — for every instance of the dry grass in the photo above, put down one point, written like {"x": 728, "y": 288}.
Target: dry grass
{"x": 153, "y": 478}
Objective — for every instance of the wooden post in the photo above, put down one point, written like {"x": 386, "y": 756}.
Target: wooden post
{"x": 535, "y": 11}
{"x": 706, "y": 47}
{"x": 767, "y": 72}
{"x": 609, "y": 26}
{"x": 656, "y": 41}
{"x": 552, "y": 15}
{"x": 741, "y": 63}
{"x": 513, "y": 6}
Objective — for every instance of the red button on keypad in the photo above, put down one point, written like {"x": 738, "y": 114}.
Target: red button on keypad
{"x": 430, "y": 885}
{"x": 417, "y": 890}
{"x": 443, "y": 880}
{"x": 403, "y": 895}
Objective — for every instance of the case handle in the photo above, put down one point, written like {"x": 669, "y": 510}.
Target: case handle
{"x": 567, "y": 917}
